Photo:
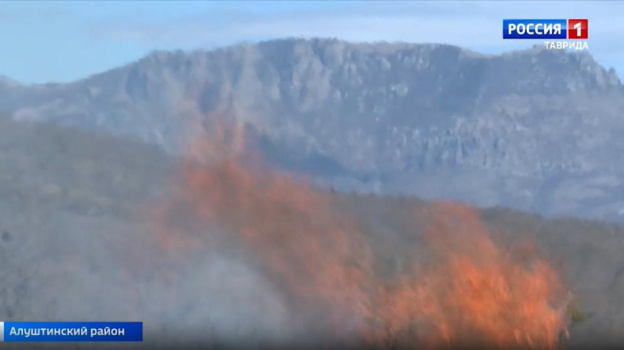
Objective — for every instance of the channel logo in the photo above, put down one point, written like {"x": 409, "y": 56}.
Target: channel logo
{"x": 545, "y": 28}
{"x": 578, "y": 28}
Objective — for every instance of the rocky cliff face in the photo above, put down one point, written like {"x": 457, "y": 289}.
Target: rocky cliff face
{"x": 535, "y": 129}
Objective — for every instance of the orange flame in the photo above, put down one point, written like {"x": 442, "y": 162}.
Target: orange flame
{"x": 475, "y": 293}
{"x": 471, "y": 293}
{"x": 306, "y": 248}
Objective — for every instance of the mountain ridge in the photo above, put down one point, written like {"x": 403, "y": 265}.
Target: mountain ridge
{"x": 532, "y": 129}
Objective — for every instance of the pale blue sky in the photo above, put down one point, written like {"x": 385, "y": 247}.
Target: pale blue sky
{"x": 64, "y": 41}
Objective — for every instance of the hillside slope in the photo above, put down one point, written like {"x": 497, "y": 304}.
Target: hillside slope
{"x": 76, "y": 244}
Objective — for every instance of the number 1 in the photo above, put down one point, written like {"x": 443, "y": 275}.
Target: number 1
{"x": 578, "y": 27}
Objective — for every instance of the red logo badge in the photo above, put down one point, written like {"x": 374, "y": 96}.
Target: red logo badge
{"x": 577, "y": 28}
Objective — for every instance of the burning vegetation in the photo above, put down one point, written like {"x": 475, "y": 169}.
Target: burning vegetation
{"x": 473, "y": 292}
{"x": 469, "y": 292}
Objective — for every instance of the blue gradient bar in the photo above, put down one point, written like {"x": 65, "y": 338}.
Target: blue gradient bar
{"x": 535, "y": 29}
{"x": 71, "y": 331}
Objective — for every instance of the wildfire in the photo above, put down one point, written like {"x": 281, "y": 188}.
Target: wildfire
{"x": 471, "y": 292}
{"x": 474, "y": 293}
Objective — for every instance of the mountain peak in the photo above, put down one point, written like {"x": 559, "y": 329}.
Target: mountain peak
{"x": 374, "y": 115}
{"x": 8, "y": 82}
{"x": 566, "y": 71}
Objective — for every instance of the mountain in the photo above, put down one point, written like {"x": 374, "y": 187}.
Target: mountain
{"x": 536, "y": 129}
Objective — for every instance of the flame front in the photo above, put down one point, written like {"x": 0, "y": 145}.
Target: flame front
{"x": 470, "y": 293}
{"x": 475, "y": 293}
